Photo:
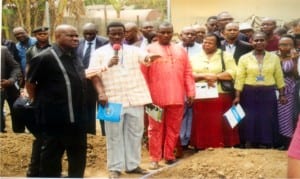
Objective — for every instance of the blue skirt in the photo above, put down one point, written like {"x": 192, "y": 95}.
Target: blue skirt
{"x": 260, "y": 125}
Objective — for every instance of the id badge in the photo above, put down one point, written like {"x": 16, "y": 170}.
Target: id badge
{"x": 260, "y": 78}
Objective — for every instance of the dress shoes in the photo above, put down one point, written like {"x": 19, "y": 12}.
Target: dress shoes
{"x": 170, "y": 162}
{"x": 138, "y": 170}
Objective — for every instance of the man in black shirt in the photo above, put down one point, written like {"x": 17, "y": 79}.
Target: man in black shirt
{"x": 56, "y": 84}
{"x": 42, "y": 36}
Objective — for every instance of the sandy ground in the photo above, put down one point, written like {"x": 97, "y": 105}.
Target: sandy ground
{"x": 15, "y": 150}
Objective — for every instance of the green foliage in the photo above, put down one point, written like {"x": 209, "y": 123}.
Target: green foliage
{"x": 94, "y": 2}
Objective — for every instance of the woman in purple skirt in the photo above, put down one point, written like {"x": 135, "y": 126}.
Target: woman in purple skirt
{"x": 287, "y": 112}
{"x": 258, "y": 76}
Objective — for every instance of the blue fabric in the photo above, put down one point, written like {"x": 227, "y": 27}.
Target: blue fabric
{"x": 186, "y": 125}
{"x": 22, "y": 48}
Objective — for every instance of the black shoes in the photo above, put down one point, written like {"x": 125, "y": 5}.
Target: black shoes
{"x": 138, "y": 170}
{"x": 170, "y": 162}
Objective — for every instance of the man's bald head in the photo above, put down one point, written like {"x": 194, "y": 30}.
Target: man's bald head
{"x": 131, "y": 26}
{"x": 20, "y": 34}
{"x": 131, "y": 32}
{"x": 90, "y": 26}
{"x": 66, "y": 36}
{"x": 90, "y": 31}
{"x": 63, "y": 28}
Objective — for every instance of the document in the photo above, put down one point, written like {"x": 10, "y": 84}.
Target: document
{"x": 110, "y": 112}
{"x": 203, "y": 91}
{"x": 154, "y": 111}
{"x": 234, "y": 115}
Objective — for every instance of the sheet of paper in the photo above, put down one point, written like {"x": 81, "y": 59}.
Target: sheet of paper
{"x": 203, "y": 91}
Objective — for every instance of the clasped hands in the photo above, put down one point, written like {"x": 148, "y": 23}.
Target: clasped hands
{"x": 211, "y": 78}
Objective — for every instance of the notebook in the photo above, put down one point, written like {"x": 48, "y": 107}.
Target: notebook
{"x": 234, "y": 115}
{"x": 110, "y": 112}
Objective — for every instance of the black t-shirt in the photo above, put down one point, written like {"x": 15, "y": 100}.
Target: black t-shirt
{"x": 51, "y": 89}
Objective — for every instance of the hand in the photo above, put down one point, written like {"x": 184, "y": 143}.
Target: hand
{"x": 6, "y": 83}
{"x": 190, "y": 100}
{"x": 211, "y": 79}
{"x": 103, "y": 99}
{"x": 113, "y": 61}
{"x": 282, "y": 99}
{"x": 153, "y": 57}
{"x": 236, "y": 100}
{"x": 23, "y": 92}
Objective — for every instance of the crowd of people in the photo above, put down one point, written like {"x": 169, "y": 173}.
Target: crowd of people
{"x": 65, "y": 81}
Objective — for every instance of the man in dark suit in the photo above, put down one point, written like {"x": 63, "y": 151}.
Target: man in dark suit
{"x": 232, "y": 44}
{"x": 224, "y": 18}
{"x": 87, "y": 45}
{"x": 10, "y": 70}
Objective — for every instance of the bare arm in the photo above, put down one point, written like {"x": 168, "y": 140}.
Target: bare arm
{"x": 293, "y": 168}
{"x": 98, "y": 85}
{"x": 224, "y": 76}
{"x": 30, "y": 88}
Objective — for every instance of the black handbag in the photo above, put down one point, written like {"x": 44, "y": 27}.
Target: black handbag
{"x": 226, "y": 85}
{"x": 25, "y": 111}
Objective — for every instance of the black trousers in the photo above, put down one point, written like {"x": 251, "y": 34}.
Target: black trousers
{"x": 10, "y": 95}
{"x": 34, "y": 165}
{"x": 53, "y": 148}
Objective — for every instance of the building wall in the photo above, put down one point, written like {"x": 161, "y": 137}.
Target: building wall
{"x": 188, "y": 12}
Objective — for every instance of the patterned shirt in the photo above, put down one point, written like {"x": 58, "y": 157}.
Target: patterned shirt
{"x": 124, "y": 83}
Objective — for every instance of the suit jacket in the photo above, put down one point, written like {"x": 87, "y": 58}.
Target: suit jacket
{"x": 92, "y": 94}
{"x": 100, "y": 41}
{"x": 242, "y": 48}
{"x": 10, "y": 70}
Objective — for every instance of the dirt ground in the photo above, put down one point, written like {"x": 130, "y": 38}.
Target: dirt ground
{"x": 15, "y": 150}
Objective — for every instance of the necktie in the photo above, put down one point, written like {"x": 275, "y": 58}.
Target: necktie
{"x": 86, "y": 57}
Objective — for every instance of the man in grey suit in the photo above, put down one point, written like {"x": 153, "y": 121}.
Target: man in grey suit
{"x": 87, "y": 45}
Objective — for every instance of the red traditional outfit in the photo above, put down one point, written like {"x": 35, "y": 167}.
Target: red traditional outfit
{"x": 169, "y": 79}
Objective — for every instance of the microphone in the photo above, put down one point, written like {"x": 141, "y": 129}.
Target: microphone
{"x": 116, "y": 48}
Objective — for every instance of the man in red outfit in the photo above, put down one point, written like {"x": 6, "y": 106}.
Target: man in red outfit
{"x": 169, "y": 79}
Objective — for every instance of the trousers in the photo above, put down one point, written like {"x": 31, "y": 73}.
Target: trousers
{"x": 53, "y": 148}
{"x": 124, "y": 140}
{"x": 163, "y": 135}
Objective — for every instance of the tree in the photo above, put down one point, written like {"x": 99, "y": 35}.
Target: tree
{"x": 31, "y": 13}
{"x": 118, "y": 6}
{"x": 25, "y": 13}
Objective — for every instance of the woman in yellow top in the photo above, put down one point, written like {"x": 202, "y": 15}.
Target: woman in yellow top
{"x": 258, "y": 76}
{"x": 209, "y": 128}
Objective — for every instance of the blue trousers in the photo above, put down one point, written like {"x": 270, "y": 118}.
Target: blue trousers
{"x": 186, "y": 125}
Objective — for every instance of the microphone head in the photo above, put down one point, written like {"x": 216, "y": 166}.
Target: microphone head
{"x": 116, "y": 47}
